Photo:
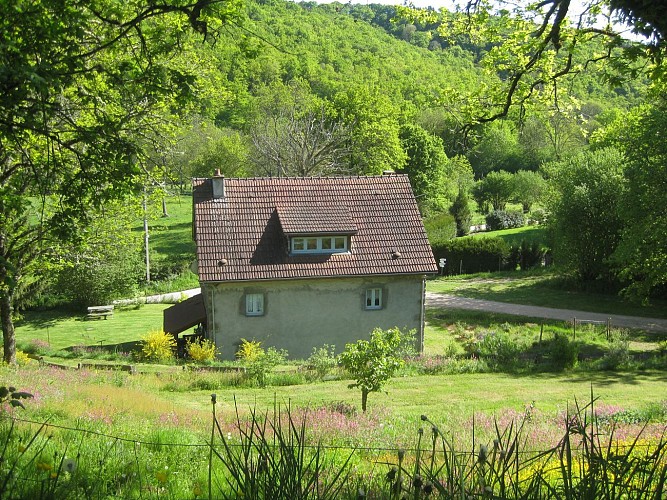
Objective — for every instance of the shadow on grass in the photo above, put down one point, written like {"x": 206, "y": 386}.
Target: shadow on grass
{"x": 484, "y": 319}
{"x": 49, "y": 319}
{"x": 111, "y": 348}
{"x": 603, "y": 378}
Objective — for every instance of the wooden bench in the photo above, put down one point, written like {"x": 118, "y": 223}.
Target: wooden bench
{"x": 99, "y": 312}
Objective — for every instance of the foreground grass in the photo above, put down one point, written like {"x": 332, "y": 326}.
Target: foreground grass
{"x": 541, "y": 288}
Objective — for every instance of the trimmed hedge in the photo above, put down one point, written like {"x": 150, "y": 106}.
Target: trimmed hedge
{"x": 472, "y": 255}
{"x": 500, "y": 219}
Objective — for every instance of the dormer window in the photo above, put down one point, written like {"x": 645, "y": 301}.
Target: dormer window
{"x": 319, "y": 244}
{"x": 317, "y": 228}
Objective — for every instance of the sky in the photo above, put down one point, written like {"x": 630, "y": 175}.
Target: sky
{"x": 576, "y": 7}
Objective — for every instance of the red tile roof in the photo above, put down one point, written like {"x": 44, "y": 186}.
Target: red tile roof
{"x": 243, "y": 237}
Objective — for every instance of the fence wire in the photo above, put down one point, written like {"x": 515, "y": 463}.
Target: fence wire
{"x": 321, "y": 447}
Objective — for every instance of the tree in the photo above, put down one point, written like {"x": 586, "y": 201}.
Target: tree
{"x": 641, "y": 255}
{"x": 294, "y": 134}
{"x": 528, "y": 187}
{"x": 496, "y": 188}
{"x": 83, "y": 85}
{"x": 460, "y": 210}
{"x": 498, "y": 149}
{"x": 373, "y": 121}
{"x": 106, "y": 263}
{"x": 425, "y": 167}
{"x": 585, "y": 211}
{"x": 372, "y": 362}
{"x": 537, "y": 45}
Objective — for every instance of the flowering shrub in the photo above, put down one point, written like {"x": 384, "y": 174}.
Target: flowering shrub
{"x": 158, "y": 346}
{"x": 22, "y": 359}
{"x": 249, "y": 350}
{"x": 258, "y": 361}
{"x": 201, "y": 351}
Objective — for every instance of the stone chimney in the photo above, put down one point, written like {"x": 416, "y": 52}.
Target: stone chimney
{"x": 218, "y": 185}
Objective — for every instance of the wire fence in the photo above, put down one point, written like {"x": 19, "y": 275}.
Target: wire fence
{"x": 322, "y": 447}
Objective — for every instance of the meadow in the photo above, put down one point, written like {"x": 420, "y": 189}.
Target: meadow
{"x": 485, "y": 381}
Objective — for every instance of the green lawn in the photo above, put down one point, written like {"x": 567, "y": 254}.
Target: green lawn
{"x": 540, "y": 288}
{"x": 66, "y": 329}
{"x": 515, "y": 236}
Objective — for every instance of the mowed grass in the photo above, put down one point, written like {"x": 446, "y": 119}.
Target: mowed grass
{"x": 514, "y": 237}
{"x": 540, "y": 288}
{"x": 64, "y": 330}
{"x": 172, "y": 235}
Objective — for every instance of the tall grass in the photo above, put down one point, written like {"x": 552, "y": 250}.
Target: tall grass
{"x": 269, "y": 454}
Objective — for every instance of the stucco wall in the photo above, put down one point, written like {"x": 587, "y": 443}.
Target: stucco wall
{"x": 302, "y": 314}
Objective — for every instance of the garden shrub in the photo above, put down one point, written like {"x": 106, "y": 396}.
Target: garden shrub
{"x": 201, "y": 351}
{"x": 499, "y": 349}
{"x": 158, "y": 346}
{"x": 323, "y": 360}
{"x": 501, "y": 219}
{"x": 618, "y": 353}
{"x": 259, "y": 362}
{"x": 472, "y": 255}
{"x": 563, "y": 352}
{"x": 249, "y": 350}
{"x": 526, "y": 255}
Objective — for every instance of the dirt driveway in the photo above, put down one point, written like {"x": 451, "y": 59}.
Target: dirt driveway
{"x": 438, "y": 300}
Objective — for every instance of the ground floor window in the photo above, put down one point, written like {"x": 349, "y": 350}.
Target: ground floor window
{"x": 254, "y": 304}
{"x": 374, "y": 298}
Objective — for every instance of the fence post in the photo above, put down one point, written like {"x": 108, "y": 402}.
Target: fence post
{"x": 541, "y": 331}
{"x": 574, "y": 328}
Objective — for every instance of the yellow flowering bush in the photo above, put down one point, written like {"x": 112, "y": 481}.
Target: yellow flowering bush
{"x": 158, "y": 346}
{"x": 201, "y": 351}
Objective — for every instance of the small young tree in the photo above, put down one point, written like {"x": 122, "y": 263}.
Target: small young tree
{"x": 372, "y": 362}
{"x": 460, "y": 210}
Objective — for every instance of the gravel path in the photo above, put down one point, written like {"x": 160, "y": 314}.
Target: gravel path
{"x": 454, "y": 302}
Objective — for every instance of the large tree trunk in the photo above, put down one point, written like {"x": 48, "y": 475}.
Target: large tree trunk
{"x": 8, "y": 336}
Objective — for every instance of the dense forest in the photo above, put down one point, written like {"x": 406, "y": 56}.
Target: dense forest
{"x": 283, "y": 88}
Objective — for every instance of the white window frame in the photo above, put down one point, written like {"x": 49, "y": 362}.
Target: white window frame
{"x": 373, "y": 300}
{"x": 318, "y": 244}
{"x": 254, "y": 304}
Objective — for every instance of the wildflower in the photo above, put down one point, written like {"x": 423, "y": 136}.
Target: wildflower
{"x": 197, "y": 491}
{"x": 69, "y": 465}
{"x": 53, "y": 475}
{"x": 428, "y": 488}
{"x": 417, "y": 482}
{"x": 391, "y": 475}
{"x": 424, "y": 418}
{"x": 21, "y": 448}
{"x": 161, "y": 477}
{"x": 401, "y": 454}
{"x": 45, "y": 466}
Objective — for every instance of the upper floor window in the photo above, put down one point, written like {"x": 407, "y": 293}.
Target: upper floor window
{"x": 319, "y": 244}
